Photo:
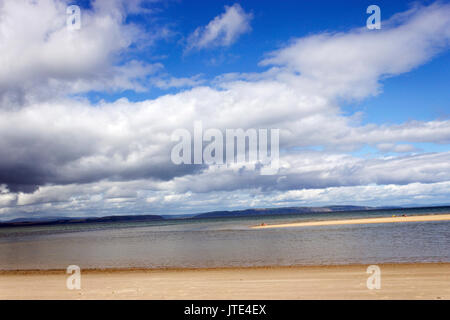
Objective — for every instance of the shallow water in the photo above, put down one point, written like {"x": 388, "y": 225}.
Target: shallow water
{"x": 226, "y": 242}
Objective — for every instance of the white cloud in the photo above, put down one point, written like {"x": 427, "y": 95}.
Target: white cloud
{"x": 350, "y": 63}
{"x": 167, "y": 82}
{"x": 399, "y": 148}
{"x": 223, "y": 30}
{"x": 91, "y": 199}
{"x": 375, "y": 195}
{"x": 41, "y": 58}
{"x": 310, "y": 170}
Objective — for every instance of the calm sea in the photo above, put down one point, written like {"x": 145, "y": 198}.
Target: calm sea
{"x": 226, "y": 242}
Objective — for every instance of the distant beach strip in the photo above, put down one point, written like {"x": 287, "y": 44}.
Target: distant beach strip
{"x": 421, "y": 218}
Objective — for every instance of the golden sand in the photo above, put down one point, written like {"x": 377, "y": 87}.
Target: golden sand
{"x": 398, "y": 281}
{"x": 438, "y": 217}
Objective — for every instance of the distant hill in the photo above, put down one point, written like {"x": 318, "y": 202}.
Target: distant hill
{"x": 286, "y": 210}
{"x": 178, "y": 216}
{"x": 214, "y": 214}
{"x": 50, "y": 221}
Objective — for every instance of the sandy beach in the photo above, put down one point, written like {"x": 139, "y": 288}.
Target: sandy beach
{"x": 422, "y": 218}
{"x": 398, "y": 281}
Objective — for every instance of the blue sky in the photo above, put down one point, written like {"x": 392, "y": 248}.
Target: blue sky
{"x": 419, "y": 94}
{"x": 86, "y": 116}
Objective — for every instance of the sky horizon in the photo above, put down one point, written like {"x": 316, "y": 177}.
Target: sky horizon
{"x": 87, "y": 115}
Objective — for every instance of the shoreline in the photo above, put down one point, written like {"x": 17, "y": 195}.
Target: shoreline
{"x": 221, "y": 268}
{"x": 398, "y": 281}
{"x": 394, "y": 219}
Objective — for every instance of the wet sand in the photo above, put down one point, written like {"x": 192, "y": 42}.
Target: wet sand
{"x": 422, "y": 218}
{"x": 398, "y": 281}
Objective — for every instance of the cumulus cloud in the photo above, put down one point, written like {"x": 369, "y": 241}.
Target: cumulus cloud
{"x": 399, "y": 148}
{"x": 312, "y": 169}
{"x": 67, "y": 154}
{"x": 41, "y": 58}
{"x": 350, "y": 63}
{"x": 167, "y": 82}
{"x": 222, "y": 31}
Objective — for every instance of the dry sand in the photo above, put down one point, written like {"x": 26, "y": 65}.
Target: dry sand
{"x": 437, "y": 217}
{"x": 398, "y": 281}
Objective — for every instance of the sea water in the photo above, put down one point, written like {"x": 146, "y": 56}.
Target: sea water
{"x": 226, "y": 242}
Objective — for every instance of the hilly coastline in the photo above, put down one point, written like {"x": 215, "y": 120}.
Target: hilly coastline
{"x": 214, "y": 214}
{"x": 19, "y": 222}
